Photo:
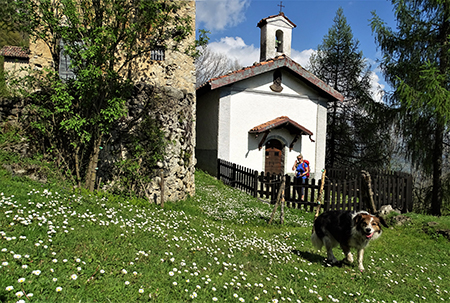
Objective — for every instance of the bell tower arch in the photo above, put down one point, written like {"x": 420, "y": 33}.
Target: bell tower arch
{"x": 276, "y": 36}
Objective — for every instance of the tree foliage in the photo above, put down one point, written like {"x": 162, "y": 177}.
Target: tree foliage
{"x": 416, "y": 62}
{"x": 104, "y": 39}
{"x": 355, "y": 136}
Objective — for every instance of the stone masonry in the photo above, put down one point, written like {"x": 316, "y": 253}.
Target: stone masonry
{"x": 174, "y": 79}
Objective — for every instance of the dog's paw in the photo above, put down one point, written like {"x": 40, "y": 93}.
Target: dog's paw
{"x": 346, "y": 261}
{"x": 333, "y": 263}
{"x": 349, "y": 258}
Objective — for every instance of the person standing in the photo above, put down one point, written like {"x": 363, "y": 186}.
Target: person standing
{"x": 301, "y": 169}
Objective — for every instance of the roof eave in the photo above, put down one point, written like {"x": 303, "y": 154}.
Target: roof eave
{"x": 280, "y": 122}
{"x": 269, "y": 65}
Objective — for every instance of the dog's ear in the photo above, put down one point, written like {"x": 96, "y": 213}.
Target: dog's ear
{"x": 382, "y": 221}
{"x": 357, "y": 219}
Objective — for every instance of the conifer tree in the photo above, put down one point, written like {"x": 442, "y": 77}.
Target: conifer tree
{"x": 354, "y": 136}
{"x": 416, "y": 63}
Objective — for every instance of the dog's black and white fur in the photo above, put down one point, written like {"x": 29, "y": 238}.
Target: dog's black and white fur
{"x": 347, "y": 229}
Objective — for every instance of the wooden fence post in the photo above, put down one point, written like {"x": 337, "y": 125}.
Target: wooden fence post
{"x": 408, "y": 200}
{"x": 218, "y": 169}
{"x": 282, "y": 204}
{"x": 255, "y": 183}
{"x": 233, "y": 176}
{"x": 280, "y": 193}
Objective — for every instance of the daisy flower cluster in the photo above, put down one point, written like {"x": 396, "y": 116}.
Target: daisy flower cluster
{"x": 65, "y": 246}
{"x": 230, "y": 204}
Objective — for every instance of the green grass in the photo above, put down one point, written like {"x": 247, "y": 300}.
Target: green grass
{"x": 215, "y": 246}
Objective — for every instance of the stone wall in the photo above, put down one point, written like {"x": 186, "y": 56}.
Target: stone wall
{"x": 10, "y": 109}
{"x": 177, "y": 69}
{"x": 173, "y": 79}
{"x": 173, "y": 109}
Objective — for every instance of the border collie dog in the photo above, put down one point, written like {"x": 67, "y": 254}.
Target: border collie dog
{"x": 347, "y": 229}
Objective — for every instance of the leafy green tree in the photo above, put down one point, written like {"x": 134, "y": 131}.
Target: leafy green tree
{"x": 104, "y": 40}
{"x": 416, "y": 63}
{"x": 355, "y": 137}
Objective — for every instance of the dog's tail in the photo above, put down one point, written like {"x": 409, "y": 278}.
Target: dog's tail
{"x": 316, "y": 241}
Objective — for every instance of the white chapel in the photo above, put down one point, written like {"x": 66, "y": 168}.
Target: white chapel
{"x": 264, "y": 115}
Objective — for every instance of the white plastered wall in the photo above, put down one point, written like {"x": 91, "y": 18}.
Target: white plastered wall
{"x": 251, "y": 102}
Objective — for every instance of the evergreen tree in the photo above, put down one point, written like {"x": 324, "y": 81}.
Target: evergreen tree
{"x": 416, "y": 63}
{"x": 354, "y": 135}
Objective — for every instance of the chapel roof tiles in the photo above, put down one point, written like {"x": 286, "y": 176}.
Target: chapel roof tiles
{"x": 269, "y": 65}
{"x": 279, "y": 122}
{"x": 14, "y": 52}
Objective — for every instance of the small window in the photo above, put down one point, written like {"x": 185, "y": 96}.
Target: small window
{"x": 277, "y": 153}
{"x": 65, "y": 72}
{"x": 157, "y": 54}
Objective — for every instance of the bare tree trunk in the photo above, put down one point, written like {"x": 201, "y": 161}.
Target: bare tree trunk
{"x": 332, "y": 142}
{"x": 77, "y": 166}
{"x": 92, "y": 168}
{"x": 436, "y": 194}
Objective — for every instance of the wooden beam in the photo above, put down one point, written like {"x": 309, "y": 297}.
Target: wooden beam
{"x": 263, "y": 139}
{"x": 291, "y": 146}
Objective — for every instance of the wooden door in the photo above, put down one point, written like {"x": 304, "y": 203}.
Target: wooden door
{"x": 274, "y": 162}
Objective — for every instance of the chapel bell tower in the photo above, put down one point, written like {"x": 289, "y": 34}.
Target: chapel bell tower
{"x": 276, "y": 36}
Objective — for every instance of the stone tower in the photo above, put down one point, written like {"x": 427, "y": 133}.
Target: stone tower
{"x": 276, "y": 36}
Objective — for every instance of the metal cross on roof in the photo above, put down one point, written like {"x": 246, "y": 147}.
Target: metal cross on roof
{"x": 281, "y": 6}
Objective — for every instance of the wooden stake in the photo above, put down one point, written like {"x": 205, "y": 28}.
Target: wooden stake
{"x": 319, "y": 198}
{"x": 280, "y": 193}
{"x": 282, "y": 206}
{"x": 369, "y": 193}
{"x": 162, "y": 189}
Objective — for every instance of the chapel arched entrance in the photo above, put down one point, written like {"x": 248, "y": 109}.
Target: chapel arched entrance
{"x": 274, "y": 157}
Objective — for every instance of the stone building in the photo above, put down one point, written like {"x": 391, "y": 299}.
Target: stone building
{"x": 169, "y": 73}
{"x": 172, "y": 73}
{"x": 16, "y": 60}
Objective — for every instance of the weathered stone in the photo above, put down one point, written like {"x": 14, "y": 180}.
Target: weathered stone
{"x": 387, "y": 209}
{"x": 174, "y": 80}
{"x": 400, "y": 219}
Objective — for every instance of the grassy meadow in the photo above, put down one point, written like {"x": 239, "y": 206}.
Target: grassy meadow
{"x": 58, "y": 245}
